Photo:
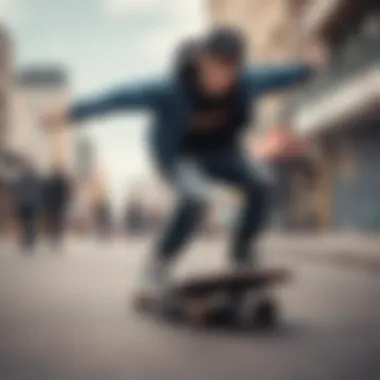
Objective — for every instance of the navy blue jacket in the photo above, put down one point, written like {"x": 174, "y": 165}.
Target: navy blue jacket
{"x": 171, "y": 110}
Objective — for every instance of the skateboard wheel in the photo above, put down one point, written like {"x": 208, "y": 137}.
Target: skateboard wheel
{"x": 217, "y": 311}
{"x": 141, "y": 303}
{"x": 196, "y": 312}
{"x": 171, "y": 309}
{"x": 266, "y": 314}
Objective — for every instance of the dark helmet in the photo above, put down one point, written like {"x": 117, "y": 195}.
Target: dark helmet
{"x": 226, "y": 43}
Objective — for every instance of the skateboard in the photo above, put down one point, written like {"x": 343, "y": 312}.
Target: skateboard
{"x": 242, "y": 299}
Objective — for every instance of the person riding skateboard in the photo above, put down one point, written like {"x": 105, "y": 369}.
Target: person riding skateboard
{"x": 199, "y": 115}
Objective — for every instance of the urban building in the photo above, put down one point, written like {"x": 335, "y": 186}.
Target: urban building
{"x": 340, "y": 111}
{"x": 90, "y": 185}
{"x": 38, "y": 88}
{"x": 6, "y": 68}
{"x": 7, "y": 160}
{"x": 6, "y": 73}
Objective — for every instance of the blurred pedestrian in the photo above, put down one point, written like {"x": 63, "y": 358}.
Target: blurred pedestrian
{"x": 103, "y": 218}
{"x": 57, "y": 194}
{"x": 29, "y": 196}
{"x": 4, "y": 213}
{"x": 134, "y": 216}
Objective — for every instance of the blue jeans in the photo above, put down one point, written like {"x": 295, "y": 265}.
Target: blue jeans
{"x": 191, "y": 178}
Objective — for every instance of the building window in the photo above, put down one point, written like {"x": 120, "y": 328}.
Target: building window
{"x": 346, "y": 161}
{"x": 371, "y": 25}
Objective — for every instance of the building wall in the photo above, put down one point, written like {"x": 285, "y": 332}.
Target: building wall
{"x": 343, "y": 102}
{"x": 27, "y": 137}
{"x": 269, "y": 24}
{"x": 356, "y": 183}
{"x": 6, "y": 66}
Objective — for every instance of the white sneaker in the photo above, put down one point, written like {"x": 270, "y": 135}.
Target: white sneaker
{"x": 252, "y": 264}
{"x": 244, "y": 267}
{"x": 153, "y": 280}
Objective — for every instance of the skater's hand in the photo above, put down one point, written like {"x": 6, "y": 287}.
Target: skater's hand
{"x": 316, "y": 54}
{"x": 55, "y": 118}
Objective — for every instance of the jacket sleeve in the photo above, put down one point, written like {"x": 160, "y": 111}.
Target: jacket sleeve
{"x": 276, "y": 78}
{"x": 130, "y": 97}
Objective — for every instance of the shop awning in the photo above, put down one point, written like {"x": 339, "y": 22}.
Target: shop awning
{"x": 332, "y": 18}
{"x": 358, "y": 97}
{"x": 319, "y": 13}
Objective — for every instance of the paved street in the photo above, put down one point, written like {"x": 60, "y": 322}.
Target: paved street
{"x": 66, "y": 317}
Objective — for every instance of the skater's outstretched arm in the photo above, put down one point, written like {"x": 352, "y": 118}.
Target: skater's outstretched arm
{"x": 276, "y": 78}
{"x": 146, "y": 95}
{"x": 133, "y": 96}
{"x": 281, "y": 77}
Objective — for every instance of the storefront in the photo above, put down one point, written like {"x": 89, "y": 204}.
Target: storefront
{"x": 9, "y": 166}
{"x": 342, "y": 114}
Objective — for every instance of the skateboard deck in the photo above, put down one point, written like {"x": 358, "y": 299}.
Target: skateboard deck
{"x": 230, "y": 297}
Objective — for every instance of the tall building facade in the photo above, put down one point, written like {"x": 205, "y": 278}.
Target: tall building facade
{"x": 6, "y": 66}
{"x": 6, "y": 160}
{"x": 6, "y": 70}
{"x": 36, "y": 89}
{"x": 341, "y": 111}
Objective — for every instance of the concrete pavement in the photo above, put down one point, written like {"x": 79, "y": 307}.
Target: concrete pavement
{"x": 358, "y": 251}
{"x": 67, "y": 316}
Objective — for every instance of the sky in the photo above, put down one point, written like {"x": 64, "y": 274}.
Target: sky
{"x": 102, "y": 43}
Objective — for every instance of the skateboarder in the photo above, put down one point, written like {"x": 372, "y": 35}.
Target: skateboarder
{"x": 199, "y": 115}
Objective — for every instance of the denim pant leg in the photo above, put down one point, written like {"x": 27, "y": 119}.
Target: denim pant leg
{"x": 191, "y": 188}
{"x": 238, "y": 170}
{"x": 191, "y": 181}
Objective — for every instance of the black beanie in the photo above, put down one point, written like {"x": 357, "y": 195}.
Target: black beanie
{"x": 226, "y": 43}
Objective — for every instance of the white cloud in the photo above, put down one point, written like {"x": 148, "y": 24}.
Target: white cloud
{"x": 180, "y": 11}
{"x": 159, "y": 45}
{"x": 129, "y": 7}
{"x": 158, "y": 26}
{"x": 185, "y": 18}
{"x": 5, "y": 8}
{"x": 9, "y": 10}
{"x": 5, "y": 5}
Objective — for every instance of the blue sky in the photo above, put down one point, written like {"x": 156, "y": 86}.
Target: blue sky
{"x": 103, "y": 42}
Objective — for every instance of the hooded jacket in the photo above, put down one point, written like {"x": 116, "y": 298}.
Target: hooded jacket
{"x": 172, "y": 110}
